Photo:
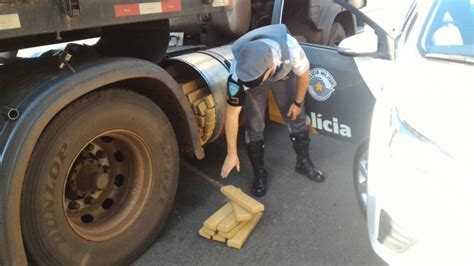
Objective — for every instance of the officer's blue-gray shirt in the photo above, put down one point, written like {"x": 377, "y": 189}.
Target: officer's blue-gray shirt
{"x": 298, "y": 60}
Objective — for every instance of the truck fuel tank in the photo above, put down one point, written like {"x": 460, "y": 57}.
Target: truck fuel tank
{"x": 203, "y": 79}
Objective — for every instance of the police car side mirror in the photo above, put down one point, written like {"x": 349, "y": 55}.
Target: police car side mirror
{"x": 362, "y": 44}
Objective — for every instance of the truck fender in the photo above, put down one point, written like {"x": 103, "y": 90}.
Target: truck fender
{"x": 236, "y": 21}
{"x": 326, "y": 19}
{"x": 45, "y": 100}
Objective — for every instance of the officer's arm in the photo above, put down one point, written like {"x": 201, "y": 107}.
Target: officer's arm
{"x": 301, "y": 67}
{"x": 302, "y": 82}
{"x": 235, "y": 101}
{"x": 232, "y": 127}
{"x": 231, "y": 130}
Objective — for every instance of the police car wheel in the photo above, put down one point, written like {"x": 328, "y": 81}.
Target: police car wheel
{"x": 360, "y": 176}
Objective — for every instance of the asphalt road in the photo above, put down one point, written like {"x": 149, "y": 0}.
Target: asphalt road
{"x": 305, "y": 223}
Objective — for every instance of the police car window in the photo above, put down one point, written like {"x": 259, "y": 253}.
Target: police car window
{"x": 451, "y": 31}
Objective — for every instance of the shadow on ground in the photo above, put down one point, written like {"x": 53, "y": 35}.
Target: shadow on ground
{"x": 304, "y": 222}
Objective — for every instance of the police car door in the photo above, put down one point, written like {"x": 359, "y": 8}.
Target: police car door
{"x": 338, "y": 103}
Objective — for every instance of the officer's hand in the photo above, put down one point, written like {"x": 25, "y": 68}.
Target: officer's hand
{"x": 294, "y": 112}
{"x": 231, "y": 161}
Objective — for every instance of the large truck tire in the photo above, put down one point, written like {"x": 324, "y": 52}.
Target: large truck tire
{"x": 101, "y": 181}
{"x": 336, "y": 35}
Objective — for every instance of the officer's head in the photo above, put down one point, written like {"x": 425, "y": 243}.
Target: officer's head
{"x": 254, "y": 64}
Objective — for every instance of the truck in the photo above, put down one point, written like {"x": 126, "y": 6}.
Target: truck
{"x": 91, "y": 135}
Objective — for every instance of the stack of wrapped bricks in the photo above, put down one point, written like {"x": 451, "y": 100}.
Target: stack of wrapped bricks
{"x": 202, "y": 102}
{"x": 235, "y": 221}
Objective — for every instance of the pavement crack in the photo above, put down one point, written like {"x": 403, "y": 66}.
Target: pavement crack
{"x": 203, "y": 175}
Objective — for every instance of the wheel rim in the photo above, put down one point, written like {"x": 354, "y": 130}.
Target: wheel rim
{"x": 108, "y": 184}
{"x": 362, "y": 168}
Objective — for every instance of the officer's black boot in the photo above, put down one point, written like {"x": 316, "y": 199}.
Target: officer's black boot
{"x": 255, "y": 152}
{"x": 304, "y": 165}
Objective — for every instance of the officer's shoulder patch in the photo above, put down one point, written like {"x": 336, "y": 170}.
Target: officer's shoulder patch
{"x": 233, "y": 88}
{"x": 235, "y": 92}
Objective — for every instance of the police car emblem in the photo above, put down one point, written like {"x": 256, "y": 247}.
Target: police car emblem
{"x": 321, "y": 84}
{"x": 233, "y": 88}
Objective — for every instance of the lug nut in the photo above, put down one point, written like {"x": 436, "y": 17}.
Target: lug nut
{"x": 89, "y": 200}
{"x": 100, "y": 154}
{"x": 73, "y": 206}
{"x": 89, "y": 147}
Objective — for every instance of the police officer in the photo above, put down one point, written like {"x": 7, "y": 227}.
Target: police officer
{"x": 267, "y": 58}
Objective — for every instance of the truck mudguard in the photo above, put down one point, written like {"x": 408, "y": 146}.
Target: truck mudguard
{"x": 39, "y": 101}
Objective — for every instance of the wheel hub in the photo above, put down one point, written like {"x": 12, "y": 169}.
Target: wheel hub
{"x": 106, "y": 185}
{"x": 88, "y": 177}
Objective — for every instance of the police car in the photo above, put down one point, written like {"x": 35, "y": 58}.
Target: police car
{"x": 416, "y": 187}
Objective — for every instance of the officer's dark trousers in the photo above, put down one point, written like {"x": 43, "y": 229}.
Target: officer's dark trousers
{"x": 256, "y": 103}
